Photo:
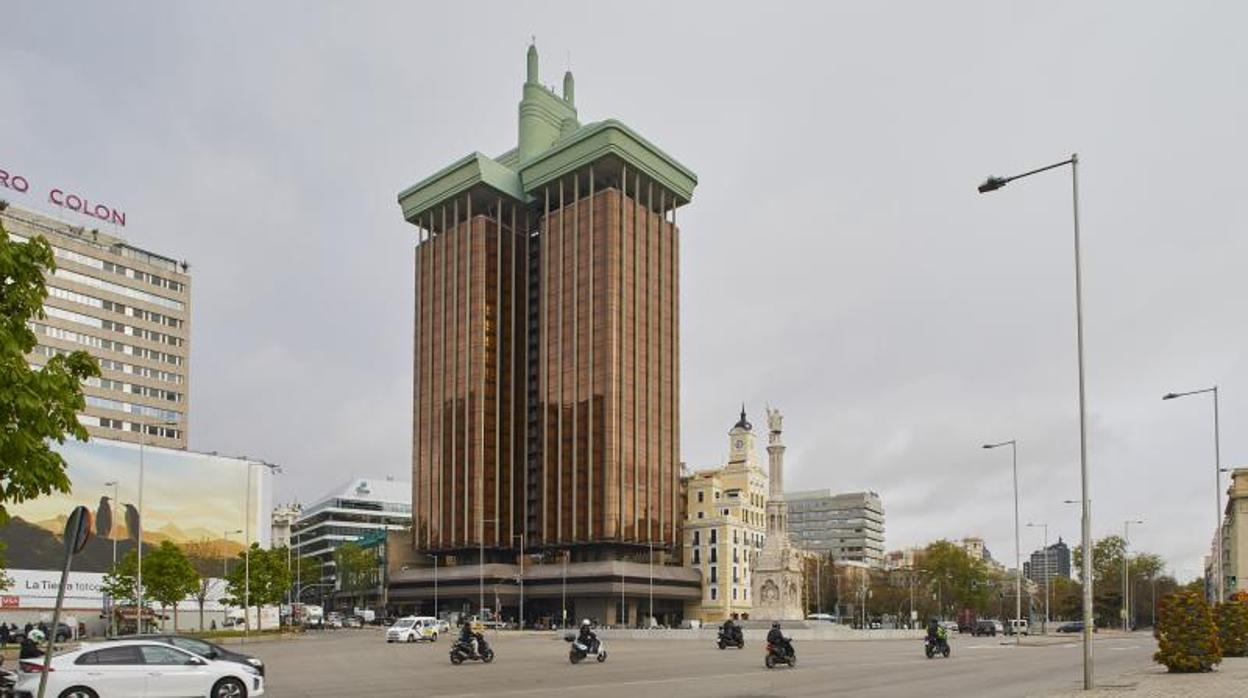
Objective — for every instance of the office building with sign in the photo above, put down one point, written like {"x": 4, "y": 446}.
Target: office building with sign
{"x": 131, "y": 310}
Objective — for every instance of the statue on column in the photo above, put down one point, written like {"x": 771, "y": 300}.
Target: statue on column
{"x": 778, "y": 574}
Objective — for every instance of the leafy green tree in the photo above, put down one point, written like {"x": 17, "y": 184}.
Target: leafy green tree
{"x": 270, "y": 579}
{"x": 37, "y": 407}
{"x": 1107, "y": 556}
{"x": 208, "y": 564}
{"x": 956, "y": 579}
{"x": 354, "y": 567}
{"x": 168, "y": 577}
{"x": 121, "y": 582}
{"x": 1187, "y": 640}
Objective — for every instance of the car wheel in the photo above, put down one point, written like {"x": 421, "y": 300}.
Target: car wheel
{"x": 411, "y": 637}
{"x": 78, "y": 692}
{"x": 229, "y": 688}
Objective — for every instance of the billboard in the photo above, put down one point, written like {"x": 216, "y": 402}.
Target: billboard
{"x": 201, "y": 502}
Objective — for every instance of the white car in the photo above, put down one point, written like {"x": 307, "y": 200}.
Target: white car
{"x": 412, "y": 629}
{"x": 138, "y": 668}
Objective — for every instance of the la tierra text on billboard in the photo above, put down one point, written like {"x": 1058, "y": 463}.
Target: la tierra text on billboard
{"x": 67, "y": 200}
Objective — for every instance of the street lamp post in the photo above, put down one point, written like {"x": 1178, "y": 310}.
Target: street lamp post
{"x": 1018, "y": 565}
{"x": 113, "y": 534}
{"x": 992, "y": 184}
{"x": 1217, "y": 487}
{"x": 520, "y": 582}
{"x": 481, "y": 566}
{"x": 1048, "y": 573}
{"x": 1126, "y": 574}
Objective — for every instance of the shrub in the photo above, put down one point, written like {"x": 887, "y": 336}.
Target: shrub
{"x": 1232, "y": 619}
{"x": 1187, "y": 640}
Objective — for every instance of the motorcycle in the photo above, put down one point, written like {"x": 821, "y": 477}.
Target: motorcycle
{"x": 936, "y": 646}
{"x": 736, "y": 639}
{"x": 580, "y": 650}
{"x": 8, "y": 682}
{"x": 462, "y": 651}
{"x": 780, "y": 655}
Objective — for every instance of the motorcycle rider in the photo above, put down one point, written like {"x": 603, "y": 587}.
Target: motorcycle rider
{"x": 587, "y": 636}
{"x": 936, "y": 634}
{"x": 30, "y": 645}
{"x": 469, "y": 636}
{"x": 776, "y": 639}
{"x": 731, "y": 630}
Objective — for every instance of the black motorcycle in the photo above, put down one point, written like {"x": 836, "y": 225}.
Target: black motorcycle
{"x": 461, "y": 651}
{"x": 734, "y": 638}
{"x": 934, "y": 646}
{"x": 780, "y": 654}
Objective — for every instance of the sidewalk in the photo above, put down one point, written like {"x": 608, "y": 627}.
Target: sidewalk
{"x": 1230, "y": 678}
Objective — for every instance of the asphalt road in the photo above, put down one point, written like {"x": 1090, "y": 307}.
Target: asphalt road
{"x": 341, "y": 663}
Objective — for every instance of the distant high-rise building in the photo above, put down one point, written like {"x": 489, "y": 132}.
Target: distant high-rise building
{"x": 131, "y": 310}
{"x": 1046, "y": 564}
{"x": 849, "y": 526}
{"x": 360, "y": 509}
{"x": 547, "y": 382}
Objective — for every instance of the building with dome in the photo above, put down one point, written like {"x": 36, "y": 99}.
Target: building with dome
{"x": 725, "y": 528}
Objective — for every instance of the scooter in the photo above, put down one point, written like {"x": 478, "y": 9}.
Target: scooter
{"x": 938, "y": 646}
{"x": 726, "y": 640}
{"x": 777, "y": 655}
{"x": 462, "y": 651}
{"x": 580, "y": 650}
{"x": 8, "y": 682}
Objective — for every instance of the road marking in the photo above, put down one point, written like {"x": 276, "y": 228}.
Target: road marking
{"x": 610, "y": 684}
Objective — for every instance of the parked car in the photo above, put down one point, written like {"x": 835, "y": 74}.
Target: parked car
{"x": 949, "y": 625}
{"x": 822, "y": 617}
{"x": 203, "y": 648}
{"x": 988, "y": 627}
{"x": 1016, "y": 625}
{"x": 1074, "y": 626}
{"x": 137, "y": 668}
{"x": 413, "y": 629}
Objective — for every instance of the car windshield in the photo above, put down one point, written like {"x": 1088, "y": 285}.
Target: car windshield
{"x": 405, "y": 623}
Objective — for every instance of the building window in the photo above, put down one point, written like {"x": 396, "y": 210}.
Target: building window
{"x": 701, "y": 496}
{"x": 735, "y": 578}
{"x": 714, "y": 537}
{"x": 714, "y": 556}
{"x": 697, "y": 538}
{"x": 714, "y": 591}
{"x": 734, "y": 536}
{"x": 734, "y": 593}
{"x": 699, "y": 514}
{"x": 714, "y": 576}
{"x": 697, "y": 557}
{"x": 716, "y": 494}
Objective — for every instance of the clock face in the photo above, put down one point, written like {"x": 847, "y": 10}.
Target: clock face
{"x": 740, "y": 443}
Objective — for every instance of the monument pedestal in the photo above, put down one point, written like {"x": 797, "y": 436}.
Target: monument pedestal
{"x": 778, "y": 580}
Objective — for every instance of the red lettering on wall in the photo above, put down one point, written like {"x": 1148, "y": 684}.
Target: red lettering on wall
{"x": 14, "y": 182}
{"x": 53, "y": 197}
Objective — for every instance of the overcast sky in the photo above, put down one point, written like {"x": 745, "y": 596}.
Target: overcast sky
{"x": 837, "y": 261}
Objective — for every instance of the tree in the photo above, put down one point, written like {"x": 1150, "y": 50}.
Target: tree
{"x": 120, "y": 584}
{"x": 37, "y": 407}
{"x": 820, "y": 573}
{"x": 205, "y": 559}
{"x": 270, "y": 578}
{"x": 1187, "y": 640}
{"x": 956, "y": 579}
{"x": 1232, "y": 620}
{"x": 170, "y": 577}
{"x": 354, "y": 567}
{"x": 1107, "y": 556}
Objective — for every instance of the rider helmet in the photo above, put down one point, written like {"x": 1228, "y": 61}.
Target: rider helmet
{"x": 585, "y": 623}
{"x": 37, "y": 636}
{"x": 775, "y": 624}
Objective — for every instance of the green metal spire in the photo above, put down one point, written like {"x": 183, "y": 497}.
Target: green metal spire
{"x": 532, "y": 77}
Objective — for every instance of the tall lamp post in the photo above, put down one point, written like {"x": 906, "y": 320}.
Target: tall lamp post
{"x": 112, "y": 534}
{"x": 1126, "y": 574}
{"x": 435, "y": 583}
{"x": 1048, "y": 573}
{"x": 481, "y": 567}
{"x": 1217, "y": 487}
{"x": 1018, "y": 565}
{"x": 992, "y": 184}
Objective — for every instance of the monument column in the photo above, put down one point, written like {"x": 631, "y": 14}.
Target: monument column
{"x": 777, "y": 510}
{"x": 778, "y": 574}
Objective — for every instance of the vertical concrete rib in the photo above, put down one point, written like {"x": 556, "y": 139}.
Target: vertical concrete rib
{"x": 675, "y": 320}
{"x": 544, "y": 357}
{"x": 589, "y": 518}
{"x": 559, "y": 367}
{"x": 636, "y": 364}
{"x": 418, "y": 491}
{"x": 454, "y": 503}
{"x": 498, "y": 364}
{"x": 618, "y": 347}
{"x": 512, "y": 241}
{"x": 468, "y": 535}
{"x": 576, "y": 354}
{"x": 441, "y": 246}
{"x": 649, "y": 296}
{"x": 524, "y": 382}
{"x": 661, "y": 456}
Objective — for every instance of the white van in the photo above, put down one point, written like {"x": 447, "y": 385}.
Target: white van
{"x": 413, "y": 629}
{"x": 1016, "y": 626}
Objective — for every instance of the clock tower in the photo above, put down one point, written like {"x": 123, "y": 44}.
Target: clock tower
{"x": 741, "y": 442}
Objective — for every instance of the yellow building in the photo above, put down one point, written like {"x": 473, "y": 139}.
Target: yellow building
{"x": 725, "y": 526}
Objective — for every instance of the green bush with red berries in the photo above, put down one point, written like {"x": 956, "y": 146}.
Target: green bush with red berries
{"x": 1187, "y": 639}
